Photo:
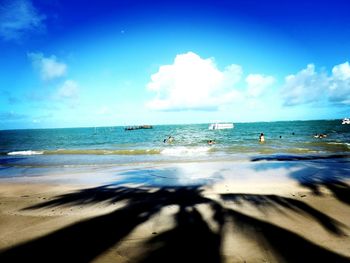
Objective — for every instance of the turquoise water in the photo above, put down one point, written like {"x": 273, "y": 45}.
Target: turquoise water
{"x": 114, "y": 145}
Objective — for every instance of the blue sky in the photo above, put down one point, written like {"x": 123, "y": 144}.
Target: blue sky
{"x": 71, "y": 64}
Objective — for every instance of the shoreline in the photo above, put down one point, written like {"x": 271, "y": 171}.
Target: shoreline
{"x": 272, "y": 211}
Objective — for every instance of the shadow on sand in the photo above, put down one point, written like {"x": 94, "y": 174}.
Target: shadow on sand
{"x": 315, "y": 172}
{"x": 191, "y": 239}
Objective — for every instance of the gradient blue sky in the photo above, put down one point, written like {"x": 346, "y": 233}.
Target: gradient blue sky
{"x": 103, "y": 63}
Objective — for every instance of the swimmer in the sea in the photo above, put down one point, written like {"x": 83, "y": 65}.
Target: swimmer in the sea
{"x": 261, "y": 137}
{"x": 320, "y": 136}
{"x": 170, "y": 139}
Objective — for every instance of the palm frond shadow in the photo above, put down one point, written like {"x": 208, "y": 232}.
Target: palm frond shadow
{"x": 190, "y": 240}
{"x": 294, "y": 205}
{"x": 315, "y": 172}
{"x": 284, "y": 244}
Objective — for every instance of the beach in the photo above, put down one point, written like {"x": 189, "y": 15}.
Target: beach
{"x": 110, "y": 195}
{"x": 174, "y": 131}
{"x": 266, "y": 209}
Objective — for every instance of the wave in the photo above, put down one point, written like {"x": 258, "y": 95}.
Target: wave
{"x": 88, "y": 152}
{"x": 30, "y": 152}
{"x": 186, "y": 151}
{"x": 340, "y": 143}
{"x": 171, "y": 151}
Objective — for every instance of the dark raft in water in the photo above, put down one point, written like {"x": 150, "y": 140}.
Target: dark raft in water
{"x": 130, "y": 128}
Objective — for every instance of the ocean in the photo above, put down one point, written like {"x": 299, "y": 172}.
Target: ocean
{"x": 115, "y": 145}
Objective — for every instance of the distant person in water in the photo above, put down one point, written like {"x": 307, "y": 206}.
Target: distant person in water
{"x": 320, "y": 136}
{"x": 170, "y": 139}
{"x": 211, "y": 142}
{"x": 261, "y": 137}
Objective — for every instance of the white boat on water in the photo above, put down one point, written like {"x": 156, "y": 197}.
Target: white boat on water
{"x": 346, "y": 121}
{"x": 220, "y": 126}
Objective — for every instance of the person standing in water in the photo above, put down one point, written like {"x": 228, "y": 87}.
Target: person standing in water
{"x": 261, "y": 137}
{"x": 169, "y": 140}
{"x": 211, "y": 142}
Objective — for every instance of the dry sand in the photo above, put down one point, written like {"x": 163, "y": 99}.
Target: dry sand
{"x": 233, "y": 220}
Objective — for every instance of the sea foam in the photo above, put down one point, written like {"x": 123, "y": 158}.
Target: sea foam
{"x": 186, "y": 151}
{"x": 30, "y": 152}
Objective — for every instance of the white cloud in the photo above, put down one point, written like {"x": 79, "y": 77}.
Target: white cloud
{"x": 339, "y": 90}
{"x": 257, "y": 84}
{"x": 18, "y": 17}
{"x": 69, "y": 90}
{"x": 309, "y": 86}
{"x": 193, "y": 83}
{"x": 49, "y": 67}
{"x": 341, "y": 71}
{"x": 304, "y": 87}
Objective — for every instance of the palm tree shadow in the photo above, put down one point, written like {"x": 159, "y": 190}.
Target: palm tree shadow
{"x": 341, "y": 190}
{"x": 190, "y": 240}
{"x": 285, "y": 245}
{"x": 329, "y": 175}
{"x": 265, "y": 202}
{"x": 83, "y": 241}
{"x": 319, "y": 171}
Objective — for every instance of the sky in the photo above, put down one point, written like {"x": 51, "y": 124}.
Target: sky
{"x": 67, "y": 63}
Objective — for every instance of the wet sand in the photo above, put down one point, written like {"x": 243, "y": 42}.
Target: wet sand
{"x": 270, "y": 211}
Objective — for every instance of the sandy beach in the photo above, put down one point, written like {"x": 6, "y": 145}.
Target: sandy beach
{"x": 174, "y": 131}
{"x": 266, "y": 211}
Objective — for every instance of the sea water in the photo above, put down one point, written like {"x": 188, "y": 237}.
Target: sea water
{"x": 115, "y": 145}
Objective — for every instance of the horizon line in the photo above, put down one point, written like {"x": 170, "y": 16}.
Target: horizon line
{"x": 162, "y": 124}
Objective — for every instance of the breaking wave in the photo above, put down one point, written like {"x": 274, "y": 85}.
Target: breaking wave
{"x": 30, "y": 152}
{"x": 186, "y": 151}
{"x": 88, "y": 152}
